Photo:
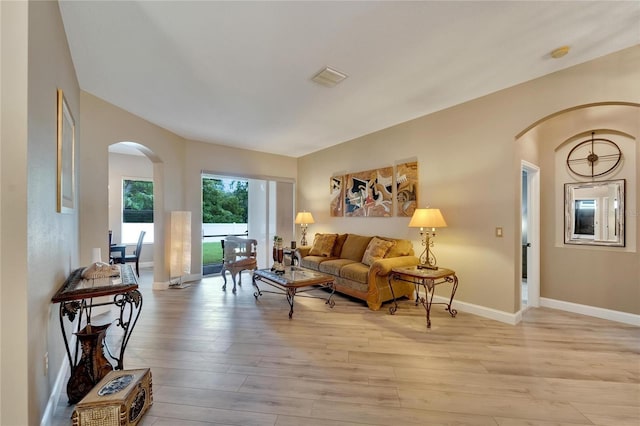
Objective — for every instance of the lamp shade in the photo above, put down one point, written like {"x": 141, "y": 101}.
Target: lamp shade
{"x": 304, "y": 218}
{"x": 180, "y": 259}
{"x": 427, "y": 218}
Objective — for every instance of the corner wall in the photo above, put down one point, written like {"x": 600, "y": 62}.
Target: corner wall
{"x": 603, "y": 277}
{"x": 469, "y": 167}
{"x": 39, "y": 245}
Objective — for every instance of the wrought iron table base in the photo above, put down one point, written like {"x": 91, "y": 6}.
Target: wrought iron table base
{"x": 130, "y": 306}
{"x": 291, "y": 292}
{"x": 429, "y": 287}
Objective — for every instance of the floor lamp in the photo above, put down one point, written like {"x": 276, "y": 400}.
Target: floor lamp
{"x": 180, "y": 253}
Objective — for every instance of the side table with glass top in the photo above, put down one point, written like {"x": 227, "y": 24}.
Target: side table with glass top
{"x": 429, "y": 279}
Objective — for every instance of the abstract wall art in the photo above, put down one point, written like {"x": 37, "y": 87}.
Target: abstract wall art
{"x": 407, "y": 188}
{"x": 369, "y": 193}
{"x": 337, "y": 196}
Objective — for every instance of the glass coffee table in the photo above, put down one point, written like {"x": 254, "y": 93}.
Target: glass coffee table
{"x": 294, "y": 281}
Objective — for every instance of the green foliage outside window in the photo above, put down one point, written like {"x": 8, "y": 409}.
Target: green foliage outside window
{"x": 225, "y": 203}
{"x": 138, "y": 201}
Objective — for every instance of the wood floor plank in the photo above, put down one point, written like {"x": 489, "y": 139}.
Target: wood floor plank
{"x": 320, "y": 390}
{"x": 610, "y": 414}
{"x": 490, "y": 405}
{"x": 219, "y": 358}
{"x": 177, "y": 413}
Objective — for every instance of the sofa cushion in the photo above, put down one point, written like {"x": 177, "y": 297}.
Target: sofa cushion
{"x": 400, "y": 248}
{"x": 355, "y": 271}
{"x": 333, "y": 266}
{"x": 376, "y": 249}
{"x": 323, "y": 245}
{"x": 337, "y": 246}
{"x": 313, "y": 262}
{"x": 354, "y": 247}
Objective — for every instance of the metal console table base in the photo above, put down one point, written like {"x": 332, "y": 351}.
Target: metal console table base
{"x": 76, "y": 300}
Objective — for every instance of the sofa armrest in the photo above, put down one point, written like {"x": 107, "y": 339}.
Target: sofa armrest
{"x": 383, "y": 267}
{"x": 302, "y": 251}
{"x": 378, "y": 279}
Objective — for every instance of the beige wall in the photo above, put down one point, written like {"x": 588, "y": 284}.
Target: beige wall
{"x": 469, "y": 167}
{"x": 606, "y": 277}
{"x": 103, "y": 125}
{"x": 13, "y": 155}
{"x": 178, "y": 164}
{"x": 224, "y": 161}
{"x": 40, "y": 246}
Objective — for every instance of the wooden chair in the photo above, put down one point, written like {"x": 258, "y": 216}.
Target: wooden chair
{"x": 239, "y": 254}
{"x": 135, "y": 257}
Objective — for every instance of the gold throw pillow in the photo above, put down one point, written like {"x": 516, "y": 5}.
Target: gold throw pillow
{"x": 376, "y": 249}
{"x": 323, "y": 245}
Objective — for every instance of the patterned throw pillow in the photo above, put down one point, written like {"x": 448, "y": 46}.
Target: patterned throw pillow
{"x": 376, "y": 249}
{"x": 323, "y": 244}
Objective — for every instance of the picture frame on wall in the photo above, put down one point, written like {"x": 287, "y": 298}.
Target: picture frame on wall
{"x": 66, "y": 199}
{"x": 337, "y": 196}
{"x": 406, "y": 188}
{"x": 369, "y": 193}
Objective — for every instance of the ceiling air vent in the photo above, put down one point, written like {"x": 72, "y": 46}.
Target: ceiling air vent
{"x": 329, "y": 77}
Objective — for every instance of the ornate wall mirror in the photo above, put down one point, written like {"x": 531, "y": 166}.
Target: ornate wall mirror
{"x": 594, "y": 213}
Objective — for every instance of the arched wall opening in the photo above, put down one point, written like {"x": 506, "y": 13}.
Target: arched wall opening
{"x": 136, "y": 162}
{"x": 594, "y": 280}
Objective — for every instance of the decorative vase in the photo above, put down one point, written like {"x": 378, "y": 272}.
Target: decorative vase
{"x": 93, "y": 364}
{"x": 278, "y": 256}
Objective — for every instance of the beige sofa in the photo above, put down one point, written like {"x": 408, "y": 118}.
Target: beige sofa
{"x": 361, "y": 264}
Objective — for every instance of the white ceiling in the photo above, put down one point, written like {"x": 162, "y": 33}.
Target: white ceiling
{"x": 239, "y": 73}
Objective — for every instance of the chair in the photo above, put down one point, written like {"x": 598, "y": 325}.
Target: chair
{"x": 120, "y": 249}
{"x": 135, "y": 257}
{"x": 239, "y": 254}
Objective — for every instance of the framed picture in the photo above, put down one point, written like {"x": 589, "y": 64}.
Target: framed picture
{"x": 407, "y": 188}
{"x": 337, "y": 196}
{"x": 369, "y": 193}
{"x": 66, "y": 161}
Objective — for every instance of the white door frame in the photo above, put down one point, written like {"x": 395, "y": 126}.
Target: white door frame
{"x": 533, "y": 234}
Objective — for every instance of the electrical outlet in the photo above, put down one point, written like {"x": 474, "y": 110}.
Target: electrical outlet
{"x": 499, "y": 232}
{"x": 46, "y": 363}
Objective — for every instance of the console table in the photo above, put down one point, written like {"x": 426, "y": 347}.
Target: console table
{"x": 429, "y": 279}
{"x": 76, "y": 300}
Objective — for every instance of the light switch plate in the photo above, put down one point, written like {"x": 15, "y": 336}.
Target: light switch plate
{"x": 499, "y": 232}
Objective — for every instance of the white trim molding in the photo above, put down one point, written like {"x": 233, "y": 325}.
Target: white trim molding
{"x": 482, "y": 311}
{"x": 592, "y": 311}
{"x": 164, "y": 285}
{"x": 515, "y": 318}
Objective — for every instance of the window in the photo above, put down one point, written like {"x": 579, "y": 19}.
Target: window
{"x": 137, "y": 210}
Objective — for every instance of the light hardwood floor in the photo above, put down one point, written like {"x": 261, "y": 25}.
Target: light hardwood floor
{"x": 224, "y": 359}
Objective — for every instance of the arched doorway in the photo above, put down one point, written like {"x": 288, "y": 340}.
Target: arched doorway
{"x": 135, "y": 201}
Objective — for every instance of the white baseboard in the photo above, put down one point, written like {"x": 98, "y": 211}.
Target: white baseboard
{"x": 515, "y": 318}
{"x": 591, "y": 311}
{"x": 164, "y": 285}
{"x": 482, "y": 311}
{"x": 58, "y": 387}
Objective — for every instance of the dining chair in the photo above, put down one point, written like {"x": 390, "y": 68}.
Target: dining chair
{"x": 135, "y": 257}
{"x": 239, "y": 254}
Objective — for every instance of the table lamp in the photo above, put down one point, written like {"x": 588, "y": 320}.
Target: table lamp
{"x": 427, "y": 218}
{"x": 304, "y": 219}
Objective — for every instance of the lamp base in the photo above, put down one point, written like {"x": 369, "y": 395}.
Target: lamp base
{"x": 425, "y": 266}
